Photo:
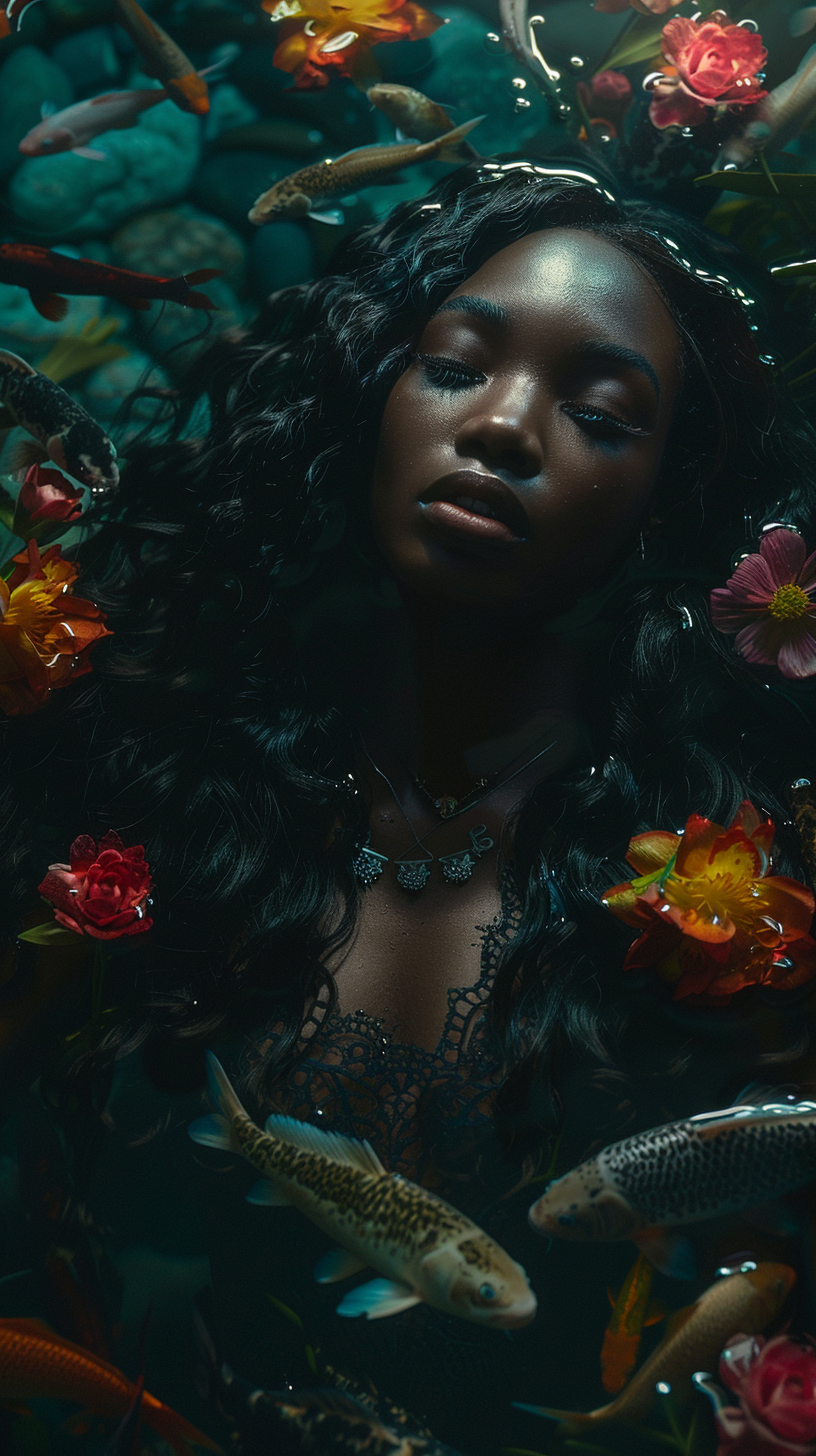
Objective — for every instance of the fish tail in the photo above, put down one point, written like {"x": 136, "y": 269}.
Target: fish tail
{"x": 218, "y": 1130}
{"x": 618, "y": 1358}
{"x": 179, "y": 1434}
{"x": 451, "y": 141}
{"x": 571, "y": 1422}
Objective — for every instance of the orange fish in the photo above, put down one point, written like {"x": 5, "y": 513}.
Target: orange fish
{"x": 163, "y": 59}
{"x": 35, "y": 1364}
{"x": 631, "y": 1311}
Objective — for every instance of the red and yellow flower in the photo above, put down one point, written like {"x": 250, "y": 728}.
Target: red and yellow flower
{"x": 319, "y": 36}
{"x": 45, "y": 633}
{"x": 712, "y": 920}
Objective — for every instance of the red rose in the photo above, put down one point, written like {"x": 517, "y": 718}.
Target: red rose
{"x": 715, "y": 65}
{"x": 776, "y": 1384}
{"x": 46, "y": 495}
{"x": 103, "y": 891}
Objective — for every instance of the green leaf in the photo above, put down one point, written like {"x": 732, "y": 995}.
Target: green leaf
{"x": 50, "y": 933}
{"x": 284, "y": 1309}
{"x": 641, "y": 42}
{"x": 310, "y": 1359}
{"x": 805, "y": 269}
{"x": 757, "y": 184}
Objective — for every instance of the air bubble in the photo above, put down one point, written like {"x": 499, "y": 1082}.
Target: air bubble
{"x": 730, "y": 167}
{"x": 578, "y": 62}
{"x": 519, "y": 83}
{"x": 536, "y": 20}
{"x": 521, "y": 104}
{"x": 687, "y": 132}
{"x": 749, "y": 24}
{"x": 564, "y": 109}
{"x": 663, "y": 1388}
{"x": 653, "y": 79}
{"x": 492, "y": 41}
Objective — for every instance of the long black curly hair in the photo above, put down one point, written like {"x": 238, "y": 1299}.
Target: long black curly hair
{"x": 218, "y": 726}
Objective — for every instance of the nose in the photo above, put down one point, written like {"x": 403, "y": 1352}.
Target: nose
{"x": 504, "y": 432}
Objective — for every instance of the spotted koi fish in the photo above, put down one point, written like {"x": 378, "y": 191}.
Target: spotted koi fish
{"x": 632, "y": 1311}
{"x": 424, "y": 1249}
{"x": 749, "y": 1300}
{"x": 682, "y": 1173}
{"x": 301, "y": 192}
{"x": 67, "y": 433}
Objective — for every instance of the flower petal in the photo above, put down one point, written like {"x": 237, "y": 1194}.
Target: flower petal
{"x": 652, "y": 851}
{"x": 797, "y": 657}
{"x": 785, "y": 553}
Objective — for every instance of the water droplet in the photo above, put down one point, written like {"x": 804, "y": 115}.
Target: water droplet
{"x": 521, "y": 104}
{"x": 747, "y": 1266}
{"x": 578, "y": 62}
{"x": 536, "y": 20}
{"x": 784, "y": 963}
{"x": 564, "y": 109}
{"x": 687, "y": 132}
{"x": 653, "y": 79}
{"x": 730, "y": 167}
{"x": 663, "y": 1388}
{"x": 492, "y": 41}
{"x": 519, "y": 83}
{"x": 749, "y": 24}
{"x": 605, "y": 137}
{"x": 801, "y": 784}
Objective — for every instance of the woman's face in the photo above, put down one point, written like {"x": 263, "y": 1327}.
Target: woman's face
{"x": 518, "y": 451}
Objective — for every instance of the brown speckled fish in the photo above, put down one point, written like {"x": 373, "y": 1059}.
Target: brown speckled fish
{"x": 749, "y": 1300}
{"x": 417, "y": 116}
{"x": 300, "y": 193}
{"x": 681, "y": 1173}
{"x": 423, "y": 1248}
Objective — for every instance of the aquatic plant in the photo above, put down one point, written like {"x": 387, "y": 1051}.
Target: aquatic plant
{"x": 87, "y": 349}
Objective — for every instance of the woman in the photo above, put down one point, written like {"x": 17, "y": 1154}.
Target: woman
{"x": 411, "y": 638}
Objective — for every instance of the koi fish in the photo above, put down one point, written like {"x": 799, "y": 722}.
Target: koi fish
{"x": 71, "y": 129}
{"x": 67, "y": 433}
{"x": 424, "y": 1248}
{"x": 681, "y": 1173}
{"x": 301, "y": 192}
{"x": 749, "y": 1300}
{"x": 37, "y": 1364}
{"x": 780, "y": 117}
{"x": 416, "y": 117}
{"x": 46, "y": 275}
{"x": 162, "y": 58}
{"x": 631, "y": 1312}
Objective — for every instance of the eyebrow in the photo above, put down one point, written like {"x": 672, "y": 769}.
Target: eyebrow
{"x": 481, "y": 307}
{"x": 618, "y": 354}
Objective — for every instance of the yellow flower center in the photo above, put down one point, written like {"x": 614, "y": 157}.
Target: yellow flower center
{"x": 789, "y": 601}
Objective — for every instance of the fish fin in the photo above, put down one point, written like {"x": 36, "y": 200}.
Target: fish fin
{"x": 216, "y": 70}
{"x": 49, "y": 305}
{"x": 213, "y": 1132}
{"x": 655, "y": 1312}
{"x": 451, "y": 139}
{"x": 670, "y": 1253}
{"x": 403, "y": 136}
{"x": 338, "y": 1264}
{"x": 90, "y": 153}
{"x": 202, "y": 275}
{"x": 266, "y": 1195}
{"x": 334, "y": 217}
{"x": 223, "y": 1094}
{"x": 48, "y": 108}
{"x": 619, "y": 1354}
{"x": 757, "y": 1094}
{"x": 611, "y": 1297}
{"x": 199, "y": 300}
{"x": 329, "y": 1144}
{"x": 572, "y": 1421}
{"x": 378, "y": 1298}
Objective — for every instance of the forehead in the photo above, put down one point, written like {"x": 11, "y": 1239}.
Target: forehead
{"x": 576, "y": 277}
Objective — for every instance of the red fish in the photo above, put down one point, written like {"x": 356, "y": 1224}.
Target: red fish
{"x": 46, "y": 275}
{"x": 163, "y": 59}
{"x": 37, "y": 1364}
{"x": 631, "y": 1311}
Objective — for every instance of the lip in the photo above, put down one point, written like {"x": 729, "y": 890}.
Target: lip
{"x": 516, "y": 1319}
{"x": 509, "y": 525}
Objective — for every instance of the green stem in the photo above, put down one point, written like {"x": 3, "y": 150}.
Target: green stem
{"x": 616, "y": 42}
{"x": 763, "y": 162}
{"x": 800, "y": 378}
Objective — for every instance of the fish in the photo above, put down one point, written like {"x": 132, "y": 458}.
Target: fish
{"x": 682, "y": 1173}
{"x": 631, "y": 1312}
{"x": 424, "y": 1249}
{"x": 417, "y": 117}
{"x": 68, "y": 434}
{"x": 749, "y": 1300}
{"x": 37, "y": 1364}
{"x": 778, "y": 118}
{"x": 301, "y": 192}
{"x": 802, "y": 21}
{"x": 71, "y": 129}
{"x": 163, "y": 59}
{"x": 47, "y": 275}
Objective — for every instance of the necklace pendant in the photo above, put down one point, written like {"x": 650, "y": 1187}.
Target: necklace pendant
{"x": 369, "y": 865}
{"x": 457, "y": 868}
{"x": 412, "y": 874}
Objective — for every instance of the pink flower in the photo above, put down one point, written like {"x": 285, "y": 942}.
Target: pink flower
{"x": 103, "y": 891}
{"x": 714, "y": 65}
{"x": 607, "y": 98}
{"x": 775, "y": 1381}
{"x": 46, "y": 495}
{"x": 770, "y": 602}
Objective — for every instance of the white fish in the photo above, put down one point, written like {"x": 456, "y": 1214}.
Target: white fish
{"x": 422, "y": 1247}
{"x": 784, "y": 113}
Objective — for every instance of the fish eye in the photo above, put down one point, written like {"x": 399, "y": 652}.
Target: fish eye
{"x": 486, "y": 1291}
{"x": 567, "y": 1219}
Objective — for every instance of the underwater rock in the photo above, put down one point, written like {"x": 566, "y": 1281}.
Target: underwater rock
{"x": 27, "y": 80}
{"x": 70, "y": 196}
{"x": 281, "y": 254}
{"x": 72, "y": 14}
{"x": 174, "y": 335}
{"x": 90, "y": 59}
{"x": 107, "y": 387}
{"x": 228, "y": 184}
{"x": 26, "y": 332}
{"x": 178, "y": 240}
{"x": 228, "y": 108}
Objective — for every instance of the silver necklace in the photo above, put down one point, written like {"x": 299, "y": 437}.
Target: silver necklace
{"x": 413, "y": 874}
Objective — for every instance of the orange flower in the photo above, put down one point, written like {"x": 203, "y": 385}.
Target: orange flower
{"x": 45, "y": 633}
{"x": 712, "y": 919}
{"x": 319, "y": 36}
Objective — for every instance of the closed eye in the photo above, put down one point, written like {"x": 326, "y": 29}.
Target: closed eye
{"x": 600, "y": 422}
{"x": 450, "y": 373}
